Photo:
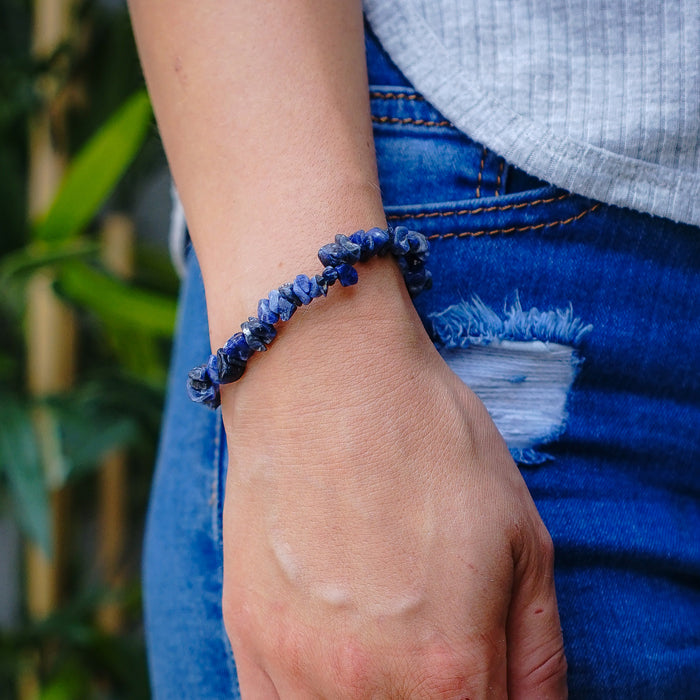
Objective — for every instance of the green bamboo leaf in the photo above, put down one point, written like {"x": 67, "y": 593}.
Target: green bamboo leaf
{"x": 40, "y": 254}
{"x": 117, "y": 302}
{"x": 20, "y": 461}
{"x": 95, "y": 170}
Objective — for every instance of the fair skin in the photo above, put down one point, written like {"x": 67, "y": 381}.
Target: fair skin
{"x": 379, "y": 542}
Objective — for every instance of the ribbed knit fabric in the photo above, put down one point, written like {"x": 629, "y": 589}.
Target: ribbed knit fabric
{"x": 600, "y": 97}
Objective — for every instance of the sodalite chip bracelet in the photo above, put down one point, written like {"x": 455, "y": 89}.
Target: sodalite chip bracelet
{"x": 410, "y": 249}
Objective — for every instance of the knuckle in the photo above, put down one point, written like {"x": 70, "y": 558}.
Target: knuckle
{"x": 447, "y": 674}
{"x": 545, "y": 548}
{"x": 532, "y": 545}
{"x": 290, "y": 648}
{"x": 446, "y": 688}
{"x": 351, "y": 667}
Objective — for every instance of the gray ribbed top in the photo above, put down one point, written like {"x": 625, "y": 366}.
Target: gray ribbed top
{"x": 600, "y": 97}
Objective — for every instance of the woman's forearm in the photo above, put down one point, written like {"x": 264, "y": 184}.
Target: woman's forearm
{"x": 264, "y": 113}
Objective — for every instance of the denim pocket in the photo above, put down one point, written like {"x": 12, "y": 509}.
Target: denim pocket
{"x": 438, "y": 180}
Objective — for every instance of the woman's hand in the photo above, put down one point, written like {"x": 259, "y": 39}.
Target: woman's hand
{"x": 379, "y": 541}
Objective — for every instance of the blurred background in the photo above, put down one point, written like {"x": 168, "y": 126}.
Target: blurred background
{"x": 87, "y": 308}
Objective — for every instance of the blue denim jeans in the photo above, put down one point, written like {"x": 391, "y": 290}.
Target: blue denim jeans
{"x": 578, "y": 325}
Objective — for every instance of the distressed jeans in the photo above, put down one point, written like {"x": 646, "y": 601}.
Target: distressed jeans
{"x": 578, "y": 325}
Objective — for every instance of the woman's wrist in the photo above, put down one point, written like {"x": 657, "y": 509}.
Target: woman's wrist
{"x": 272, "y": 247}
{"x": 361, "y": 332}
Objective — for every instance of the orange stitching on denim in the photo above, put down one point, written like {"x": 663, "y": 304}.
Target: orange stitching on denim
{"x": 500, "y": 174}
{"x": 513, "y": 229}
{"x": 481, "y": 170}
{"x": 397, "y": 96}
{"x": 408, "y": 120}
{"x": 479, "y": 210}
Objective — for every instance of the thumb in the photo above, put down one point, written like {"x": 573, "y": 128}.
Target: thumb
{"x": 536, "y": 660}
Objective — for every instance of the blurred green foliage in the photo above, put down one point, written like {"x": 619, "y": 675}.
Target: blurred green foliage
{"x": 125, "y": 330}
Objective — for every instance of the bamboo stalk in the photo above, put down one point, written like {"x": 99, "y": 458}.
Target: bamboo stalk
{"x": 50, "y": 325}
{"x": 118, "y": 256}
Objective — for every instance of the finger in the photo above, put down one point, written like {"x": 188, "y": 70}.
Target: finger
{"x": 536, "y": 659}
{"x": 254, "y": 682}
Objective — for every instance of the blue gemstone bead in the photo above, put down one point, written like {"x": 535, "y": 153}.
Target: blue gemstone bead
{"x": 351, "y": 251}
{"x": 330, "y": 275}
{"x": 285, "y": 309}
{"x": 357, "y": 237}
{"x": 258, "y": 335}
{"x": 418, "y": 280}
{"x": 254, "y": 342}
{"x": 418, "y": 243}
{"x": 230, "y": 369}
{"x": 237, "y": 347}
{"x": 412, "y": 263}
{"x": 314, "y": 288}
{"x": 274, "y": 299}
{"x": 198, "y": 378}
{"x": 265, "y": 313}
{"x": 302, "y": 288}
{"x": 287, "y": 292}
{"x": 366, "y": 243}
{"x": 200, "y": 387}
{"x": 322, "y": 283}
{"x": 330, "y": 255}
{"x": 380, "y": 240}
{"x": 400, "y": 244}
{"x": 213, "y": 368}
{"x": 347, "y": 275}
{"x": 343, "y": 251}
{"x": 265, "y": 331}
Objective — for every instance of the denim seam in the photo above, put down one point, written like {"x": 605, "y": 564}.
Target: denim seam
{"x": 396, "y": 96}
{"x": 480, "y": 210}
{"x": 481, "y": 172}
{"x": 501, "y": 167}
{"x": 409, "y": 120}
{"x": 218, "y": 535}
{"x": 514, "y": 229}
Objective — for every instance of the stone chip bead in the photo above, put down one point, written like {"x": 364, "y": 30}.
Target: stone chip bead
{"x": 343, "y": 252}
{"x": 280, "y": 306}
{"x": 330, "y": 275}
{"x": 237, "y": 347}
{"x": 381, "y": 240}
{"x": 347, "y": 275}
{"x": 410, "y": 249}
{"x": 258, "y": 334}
{"x": 287, "y": 291}
{"x": 230, "y": 368}
{"x": 371, "y": 242}
{"x": 201, "y": 388}
{"x": 400, "y": 243}
{"x": 265, "y": 313}
{"x": 322, "y": 283}
{"x": 302, "y": 288}
{"x": 418, "y": 280}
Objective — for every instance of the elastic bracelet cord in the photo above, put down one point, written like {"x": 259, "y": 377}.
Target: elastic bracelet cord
{"x": 410, "y": 249}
